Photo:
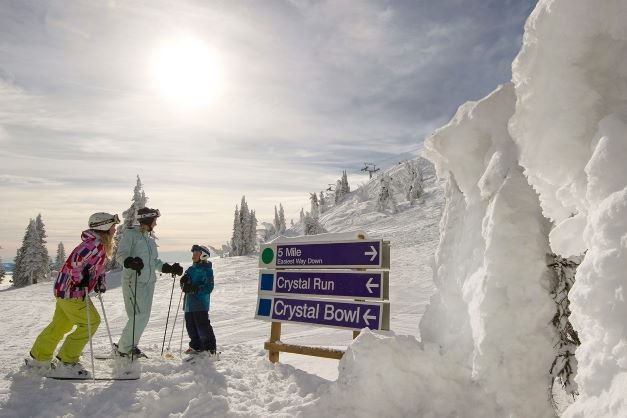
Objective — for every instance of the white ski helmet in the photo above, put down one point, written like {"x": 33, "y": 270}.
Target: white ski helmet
{"x": 204, "y": 251}
{"x": 146, "y": 215}
{"x": 102, "y": 221}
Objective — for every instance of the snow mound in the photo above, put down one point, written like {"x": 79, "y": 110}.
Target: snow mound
{"x": 396, "y": 376}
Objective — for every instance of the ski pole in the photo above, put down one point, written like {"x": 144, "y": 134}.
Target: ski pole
{"x": 165, "y": 333}
{"x": 104, "y": 313}
{"x": 91, "y": 345}
{"x": 175, "y": 317}
{"x": 134, "y": 314}
{"x": 182, "y": 329}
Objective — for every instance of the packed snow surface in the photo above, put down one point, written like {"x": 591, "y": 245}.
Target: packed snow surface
{"x": 243, "y": 382}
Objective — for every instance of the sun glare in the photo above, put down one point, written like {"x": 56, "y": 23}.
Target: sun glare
{"x": 188, "y": 72}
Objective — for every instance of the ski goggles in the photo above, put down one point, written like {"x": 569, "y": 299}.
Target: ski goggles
{"x": 115, "y": 219}
{"x": 154, "y": 213}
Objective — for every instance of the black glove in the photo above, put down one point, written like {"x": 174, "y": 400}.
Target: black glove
{"x": 100, "y": 287}
{"x": 174, "y": 269}
{"x": 187, "y": 286}
{"x": 85, "y": 280}
{"x": 177, "y": 270}
{"x": 134, "y": 263}
{"x": 184, "y": 280}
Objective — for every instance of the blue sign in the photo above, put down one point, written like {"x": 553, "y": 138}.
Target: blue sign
{"x": 340, "y": 314}
{"x": 350, "y": 284}
{"x": 351, "y": 254}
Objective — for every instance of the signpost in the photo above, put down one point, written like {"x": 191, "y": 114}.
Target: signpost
{"x": 330, "y": 283}
{"x": 338, "y": 314}
{"x": 348, "y": 254}
{"x": 303, "y": 282}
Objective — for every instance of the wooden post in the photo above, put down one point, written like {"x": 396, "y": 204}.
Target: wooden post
{"x": 275, "y": 335}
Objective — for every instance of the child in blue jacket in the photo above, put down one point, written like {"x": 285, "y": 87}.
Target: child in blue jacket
{"x": 197, "y": 284}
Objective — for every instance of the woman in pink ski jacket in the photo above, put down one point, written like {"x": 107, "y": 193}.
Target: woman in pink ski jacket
{"x": 83, "y": 272}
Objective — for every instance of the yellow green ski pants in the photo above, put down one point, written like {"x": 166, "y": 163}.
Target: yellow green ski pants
{"x": 67, "y": 313}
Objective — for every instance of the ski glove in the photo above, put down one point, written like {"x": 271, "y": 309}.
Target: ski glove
{"x": 174, "y": 269}
{"x": 187, "y": 286}
{"x": 85, "y": 278}
{"x": 177, "y": 269}
{"x": 134, "y": 263}
{"x": 100, "y": 287}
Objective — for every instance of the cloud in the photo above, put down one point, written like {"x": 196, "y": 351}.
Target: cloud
{"x": 9, "y": 180}
{"x": 312, "y": 88}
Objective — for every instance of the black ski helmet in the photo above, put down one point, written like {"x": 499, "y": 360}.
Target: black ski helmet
{"x": 146, "y": 215}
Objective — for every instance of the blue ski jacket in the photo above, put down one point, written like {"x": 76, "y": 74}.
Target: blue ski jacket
{"x": 201, "y": 275}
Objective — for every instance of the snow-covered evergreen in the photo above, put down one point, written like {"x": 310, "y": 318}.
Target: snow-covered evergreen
{"x": 31, "y": 261}
{"x": 322, "y": 202}
{"x": 138, "y": 201}
{"x": 386, "y": 196}
{"x": 282, "y": 225}
{"x": 342, "y": 188}
{"x": 60, "y": 258}
{"x": 244, "y": 238}
{"x": 2, "y": 270}
{"x": 312, "y": 225}
{"x": 315, "y": 206}
{"x": 415, "y": 188}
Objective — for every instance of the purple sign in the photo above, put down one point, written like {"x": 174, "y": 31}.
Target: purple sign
{"x": 353, "y": 315}
{"x": 371, "y": 285}
{"x": 356, "y": 254}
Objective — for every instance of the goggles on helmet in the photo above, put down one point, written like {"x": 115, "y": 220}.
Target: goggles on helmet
{"x": 153, "y": 213}
{"x": 204, "y": 251}
{"x": 114, "y": 219}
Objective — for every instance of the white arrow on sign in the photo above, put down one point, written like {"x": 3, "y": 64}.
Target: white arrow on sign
{"x": 367, "y": 317}
{"x": 373, "y": 253}
{"x": 370, "y": 285}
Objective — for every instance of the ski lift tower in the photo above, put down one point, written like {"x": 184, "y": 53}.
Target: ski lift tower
{"x": 370, "y": 168}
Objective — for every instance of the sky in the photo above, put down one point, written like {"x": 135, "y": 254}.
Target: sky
{"x": 298, "y": 91}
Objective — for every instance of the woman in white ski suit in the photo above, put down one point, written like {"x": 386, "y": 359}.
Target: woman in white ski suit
{"x": 137, "y": 252}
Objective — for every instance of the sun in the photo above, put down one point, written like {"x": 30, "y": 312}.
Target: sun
{"x": 188, "y": 72}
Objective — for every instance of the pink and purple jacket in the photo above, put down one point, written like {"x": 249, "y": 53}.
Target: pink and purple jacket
{"x": 89, "y": 254}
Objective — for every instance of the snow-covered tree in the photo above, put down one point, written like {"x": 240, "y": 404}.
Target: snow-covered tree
{"x": 315, "y": 207}
{"x": 41, "y": 232}
{"x": 31, "y": 261}
{"x": 564, "y": 367}
{"x": 2, "y": 270}
{"x": 282, "y": 225}
{"x": 342, "y": 188}
{"x": 415, "y": 188}
{"x": 138, "y": 201}
{"x": 322, "y": 202}
{"x": 386, "y": 197}
{"x": 313, "y": 226}
{"x": 277, "y": 222}
{"x": 302, "y": 215}
{"x": 244, "y": 238}
{"x": 236, "y": 244}
{"x": 338, "y": 193}
{"x": 252, "y": 233}
{"x": 60, "y": 259}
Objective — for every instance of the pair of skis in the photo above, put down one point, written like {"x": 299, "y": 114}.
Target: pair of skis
{"x": 50, "y": 375}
